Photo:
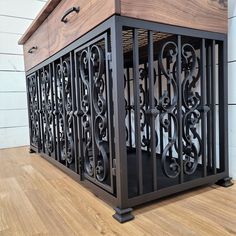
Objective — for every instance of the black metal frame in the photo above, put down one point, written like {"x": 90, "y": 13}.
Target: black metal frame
{"x": 80, "y": 111}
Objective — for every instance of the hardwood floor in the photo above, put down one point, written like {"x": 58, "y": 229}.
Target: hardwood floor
{"x": 38, "y": 199}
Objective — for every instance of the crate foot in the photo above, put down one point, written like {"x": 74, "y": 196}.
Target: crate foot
{"x": 123, "y": 215}
{"x": 226, "y": 182}
{"x": 31, "y": 151}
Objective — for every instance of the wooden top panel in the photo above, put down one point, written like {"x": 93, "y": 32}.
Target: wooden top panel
{"x": 209, "y": 15}
{"x": 91, "y": 13}
{"x": 43, "y": 14}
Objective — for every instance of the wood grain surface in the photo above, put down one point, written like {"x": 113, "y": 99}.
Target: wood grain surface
{"x": 38, "y": 199}
{"x": 209, "y": 15}
{"x": 92, "y": 12}
{"x": 40, "y": 40}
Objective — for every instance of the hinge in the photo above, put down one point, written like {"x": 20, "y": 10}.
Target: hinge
{"x": 114, "y": 167}
{"x": 109, "y": 56}
{"x": 109, "y": 59}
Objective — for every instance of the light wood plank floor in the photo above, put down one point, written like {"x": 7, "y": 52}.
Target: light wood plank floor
{"x": 38, "y": 199}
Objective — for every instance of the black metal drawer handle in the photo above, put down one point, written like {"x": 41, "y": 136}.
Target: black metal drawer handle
{"x": 31, "y": 50}
{"x": 73, "y": 9}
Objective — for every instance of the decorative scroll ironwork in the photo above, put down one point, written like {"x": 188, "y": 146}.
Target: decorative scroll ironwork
{"x": 170, "y": 137}
{"x": 66, "y": 142}
{"x": 145, "y": 112}
{"x": 68, "y": 111}
{"x": 191, "y": 115}
{"x": 96, "y": 163}
{"x": 100, "y": 111}
{"x": 86, "y": 110}
{"x": 33, "y": 110}
{"x": 144, "y": 124}
{"x": 47, "y": 112}
{"x": 61, "y": 129}
{"x": 94, "y": 106}
{"x": 168, "y": 107}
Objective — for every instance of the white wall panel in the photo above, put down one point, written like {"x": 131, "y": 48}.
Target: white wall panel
{"x": 8, "y": 44}
{"x": 232, "y": 162}
{"x": 12, "y": 81}
{"x": 231, "y": 8}
{"x": 15, "y": 17}
{"x": 13, "y": 118}
{"x": 232, "y": 82}
{"x": 232, "y": 86}
{"x": 232, "y": 39}
{"x": 22, "y": 8}
{"x": 13, "y": 101}
{"x": 14, "y": 137}
{"x": 13, "y": 25}
{"x": 11, "y": 62}
{"x": 232, "y": 126}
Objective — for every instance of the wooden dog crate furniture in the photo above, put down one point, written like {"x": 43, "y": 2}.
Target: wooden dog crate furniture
{"x": 130, "y": 97}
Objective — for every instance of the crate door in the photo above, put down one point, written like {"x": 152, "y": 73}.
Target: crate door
{"x": 94, "y": 112}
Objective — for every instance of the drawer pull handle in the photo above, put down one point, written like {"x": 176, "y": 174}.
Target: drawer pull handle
{"x": 31, "y": 50}
{"x": 73, "y": 9}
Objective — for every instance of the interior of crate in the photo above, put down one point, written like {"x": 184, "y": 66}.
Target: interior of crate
{"x": 166, "y": 130}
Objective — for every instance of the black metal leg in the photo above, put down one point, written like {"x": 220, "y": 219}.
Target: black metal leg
{"x": 31, "y": 150}
{"x": 226, "y": 182}
{"x": 123, "y": 215}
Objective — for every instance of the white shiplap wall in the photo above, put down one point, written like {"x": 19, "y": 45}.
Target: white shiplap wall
{"x": 15, "y": 17}
{"x": 232, "y": 86}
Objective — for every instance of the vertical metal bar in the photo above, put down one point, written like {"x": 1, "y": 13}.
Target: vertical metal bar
{"x": 53, "y": 109}
{"x": 90, "y": 69}
{"x": 146, "y": 101}
{"x": 223, "y": 107}
{"x": 28, "y": 105}
{"x": 209, "y": 118}
{"x": 180, "y": 125}
{"x": 160, "y": 94}
{"x": 44, "y": 114}
{"x": 79, "y": 125}
{"x": 203, "y": 104}
{"x": 119, "y": 111}
{"x": 108, "y": 97}
{"x": 56, "y": 114}
{"x": 213, "y": 103}
{"x": 169, "y": 116}
{"x": 41, "y": 112}
{"x": 64, "y": 111}
{"x": 152, "y": 106}
{"x": 137, "y": 110}
{"x": 74, "y": 125}
{"x": 129, "y": 107}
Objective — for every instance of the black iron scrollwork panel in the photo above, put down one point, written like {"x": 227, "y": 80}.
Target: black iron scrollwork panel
{"x": 191, "y": 115}
{"x": 175, "y": 97}
{"x": 145, "y": 111}
{"x": 33, "y": 106}
{"x": 47, "y": 117}
{"x": 189, "y": 77}
{"x": 168, "y": 108}
{"x": 95, "y": 118}
{"x": 65, "y": 113}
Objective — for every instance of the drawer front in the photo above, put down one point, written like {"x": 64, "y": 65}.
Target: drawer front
{"x": 91, "y": 13}
{"x": 36, "y": 48}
